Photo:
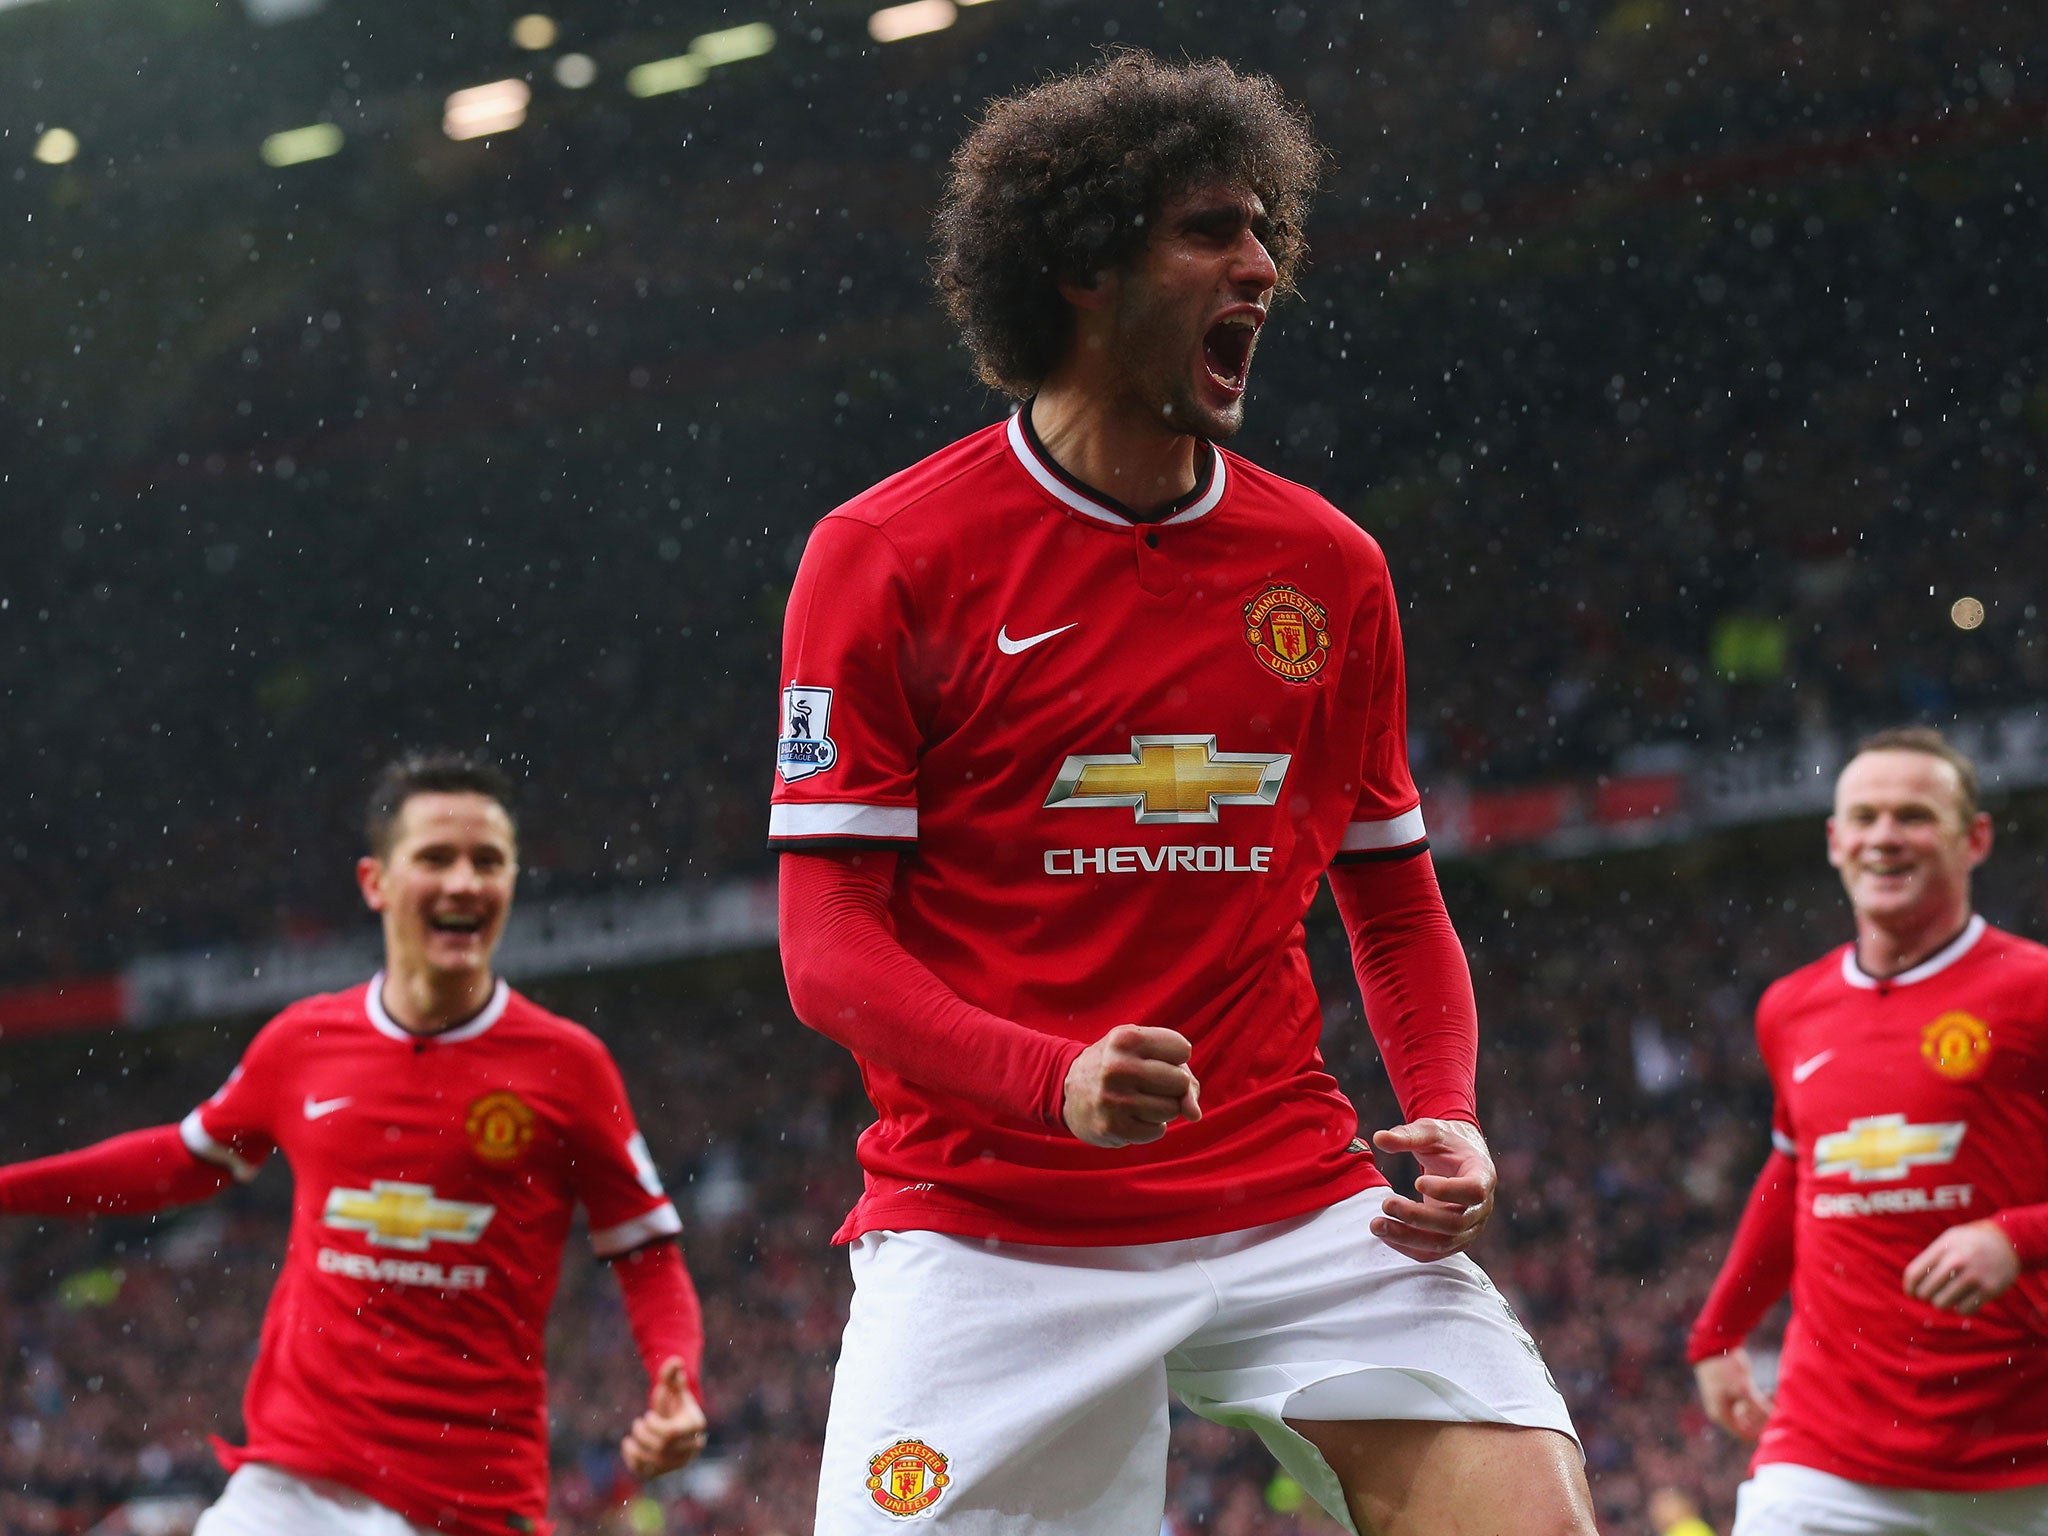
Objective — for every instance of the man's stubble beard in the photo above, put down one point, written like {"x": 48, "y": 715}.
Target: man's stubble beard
{"x": 1157, "y": 375}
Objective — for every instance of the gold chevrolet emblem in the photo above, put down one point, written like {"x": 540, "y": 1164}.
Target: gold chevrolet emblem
{"x": 1885, "y": 1147}
{"x": 1169, "y": 779}
{"x": 405, "y": 1215}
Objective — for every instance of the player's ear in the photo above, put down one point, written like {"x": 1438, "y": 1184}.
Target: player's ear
{"x": 1980, "y": 838}
{"x": 1095, "y": 293}
{"x": 370, "y": 877}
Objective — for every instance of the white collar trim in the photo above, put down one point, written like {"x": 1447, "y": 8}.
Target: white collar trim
{"x": 1064, "y": 493}
{"x": 1948, "y": 955}
{"x": 485, "y": 1018}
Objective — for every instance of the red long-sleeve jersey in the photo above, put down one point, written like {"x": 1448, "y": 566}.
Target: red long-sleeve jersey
{"x": 1114, "y": 759}
{"x": 1904, "y": 1106}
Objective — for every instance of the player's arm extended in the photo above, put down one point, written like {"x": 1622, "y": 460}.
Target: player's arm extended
{"x": 852, "y": 980}
{"x": 668, "y": 1327}
{"x": 1755, "y": 1275}
{"x": 1419, "y": 1006}
{"x": 133, "y": 1174}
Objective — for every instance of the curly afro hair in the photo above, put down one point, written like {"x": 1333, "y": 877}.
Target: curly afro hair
{"x": 1062, "y": 182}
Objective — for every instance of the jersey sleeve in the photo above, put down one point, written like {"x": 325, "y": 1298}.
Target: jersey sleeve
{"x": 1758, "y": 1268}
{"x": 1784, "y": 1139}
{"x": 1386, "y": 818}
{"x": 847, "y": 754}
{"x": 610, "y": 1167}
{"x": 1416, "y": 985}
{"x": 236, "y": 1128}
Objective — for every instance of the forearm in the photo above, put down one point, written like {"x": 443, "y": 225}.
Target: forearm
{"x": 2026, "y": 1228}
{"x": 137, "y": 1173}
{"x": 662, "y": 1307}
{"x": 1415, "y": 982}
{"x": 851, "y": 979}
{"x": 1758, "y": 1267}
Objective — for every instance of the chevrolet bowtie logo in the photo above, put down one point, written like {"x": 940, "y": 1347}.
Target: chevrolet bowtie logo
{"x": 405, "y": 1215}
{"x": 1169, "y": 779}
{"x": 1885, "y": 1147}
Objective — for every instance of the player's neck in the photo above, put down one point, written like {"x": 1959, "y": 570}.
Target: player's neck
{"x": 1108, "y": 445}
{"x": 423, "y": 1002}
{"x": 1888, "y": 949}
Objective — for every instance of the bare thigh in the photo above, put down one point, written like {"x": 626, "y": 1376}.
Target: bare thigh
{"x": 1402, "y": 1477}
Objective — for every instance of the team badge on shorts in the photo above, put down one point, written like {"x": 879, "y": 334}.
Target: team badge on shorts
{"x": 1957, "y": 1045}
{"x": 1289, "y": 632}
{"x": 907, "y": 1478}
{"x": 804, "y": 748}
{"x": 499, "y": 1126}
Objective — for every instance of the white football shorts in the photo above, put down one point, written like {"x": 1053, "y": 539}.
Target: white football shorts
{"x": 1782, "y": 1499}
{"x": 1009, "y": 1388}
{"x": 262, "y": 1500}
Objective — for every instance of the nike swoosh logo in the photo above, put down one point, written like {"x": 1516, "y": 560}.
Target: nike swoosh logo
{"x": 1011, "y": 647}
{"x": 1805, "y": 1069}
{"x": 315, "y": 1108}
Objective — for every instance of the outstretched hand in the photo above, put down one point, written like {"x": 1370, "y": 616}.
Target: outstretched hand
{"x": 671, "y": 1432}
{"x": 1129, "y": 1086}
{"x": 1964, "y": 1268}
{"x": 1728, "y": 1391}
{"x": 1456, "y": 1186}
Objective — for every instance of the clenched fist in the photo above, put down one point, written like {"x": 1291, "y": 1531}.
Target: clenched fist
{"x": 1130, "y": 1085}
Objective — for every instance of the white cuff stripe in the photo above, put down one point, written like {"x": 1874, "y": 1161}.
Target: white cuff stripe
{"x": 1784, "y": 1143}
{"x": 842, "y": 820}
{"x": 662, "y": 1221}
{"x": 192, "y": 1130}
{"x": 1395, "y": 832}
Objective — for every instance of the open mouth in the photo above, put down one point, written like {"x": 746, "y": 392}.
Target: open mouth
{"x": 452, "y": 923}
{"x": 1227, "y": 351}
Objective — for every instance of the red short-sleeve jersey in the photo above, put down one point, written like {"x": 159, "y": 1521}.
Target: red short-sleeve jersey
{"x": 1910, "y": 1104}
{"x": 434, "y": 1179}
{"x": 1119, "y": 757}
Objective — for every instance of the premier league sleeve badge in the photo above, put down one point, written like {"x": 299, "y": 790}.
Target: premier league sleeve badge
{"x": 805, "y": 746}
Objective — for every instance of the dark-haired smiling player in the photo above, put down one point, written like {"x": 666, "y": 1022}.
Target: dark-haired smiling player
{"x": 441, "y": 1130}
{"x": 1077, "y": 715}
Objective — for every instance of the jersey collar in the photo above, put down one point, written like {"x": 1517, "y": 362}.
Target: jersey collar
{"x": 1935, "y": 963}
{"x": 1091, "y": 503}
{"x": 488, "y": 1015}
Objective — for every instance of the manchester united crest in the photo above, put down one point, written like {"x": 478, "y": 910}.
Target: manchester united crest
{"x": 500, "y": 1127}
{"x": 907, "y": 1478}
{"x": 1957, "y": 1045}
{"x": 1289, "y": 632}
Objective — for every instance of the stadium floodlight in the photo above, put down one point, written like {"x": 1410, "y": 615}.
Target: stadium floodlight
{"x": 575, "y": 70}
{"x": 295, "y": 146}
{"x": 896, "y": 22}
{"x": 661, "y": 76}
{"x": 57, "y": 146}
{"x": 533, "y": 31}
{"x": 486, "y": 109}
{"x": 733, "y": 44}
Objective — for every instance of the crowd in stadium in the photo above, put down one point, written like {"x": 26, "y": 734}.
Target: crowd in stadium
{"x": 1653, "y": 465}
{"x": 1618, "y": 1082}
{"x": 1684, "y": 415}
